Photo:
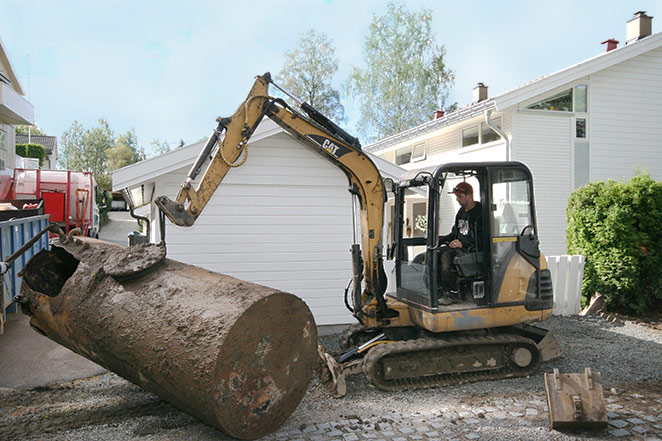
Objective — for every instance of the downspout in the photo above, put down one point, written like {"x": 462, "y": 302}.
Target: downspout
{"x": 501, "y": 133}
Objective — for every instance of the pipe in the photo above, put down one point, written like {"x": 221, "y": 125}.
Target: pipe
{"x": 503, "y": 134}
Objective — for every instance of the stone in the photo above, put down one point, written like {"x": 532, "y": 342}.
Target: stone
{"x": 619, "y": 432}
{"x": 472, "y": 421}
{"x": 350, "y": 437}
{"x": 499, "y": 415}
{"x": 639, "y": 429}
{"x": 612, "y": 415}
{"x": 635, "y": 421}
{"x": 422, "y": 429}
{"x": 472, "y": 436}
{"x": 618, "y": 423}
{"x": 532, "y": 412}
{"x": 432, "y": 434}
{"x": 516, "y": 414}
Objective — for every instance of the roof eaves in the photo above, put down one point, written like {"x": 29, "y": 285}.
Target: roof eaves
{"x": 576, "y": 71}
{"x": 4, "y": 58}
{"x": 466, "y": 112}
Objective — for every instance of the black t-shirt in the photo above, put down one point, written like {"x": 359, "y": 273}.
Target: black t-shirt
{"x": 468, "y": 226}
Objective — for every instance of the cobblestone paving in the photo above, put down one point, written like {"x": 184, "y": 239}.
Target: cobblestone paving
{"x": 506, "y": 419}
{"x": 128, "y": 413}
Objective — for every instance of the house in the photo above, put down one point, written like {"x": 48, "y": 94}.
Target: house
{"x": 599, "y": 119}
{"x": 49, "y": 143}
{"x": 14, "y": 110}
{"x": 283, "y": 219}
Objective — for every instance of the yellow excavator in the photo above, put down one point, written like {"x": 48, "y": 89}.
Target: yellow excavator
{"x": 409, "y": 338}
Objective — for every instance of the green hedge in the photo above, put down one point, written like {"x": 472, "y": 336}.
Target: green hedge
{"x": 618, "y": 227}
{"x": 37, "y": 151}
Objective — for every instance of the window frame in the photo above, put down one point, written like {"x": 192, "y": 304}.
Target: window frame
{"x": 420, "y": 157}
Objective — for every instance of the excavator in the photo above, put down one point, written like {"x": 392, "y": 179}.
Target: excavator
{"x": 406, "y": 337}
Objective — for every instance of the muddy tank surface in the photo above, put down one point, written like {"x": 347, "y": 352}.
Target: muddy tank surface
{"x": 237, "y": 355}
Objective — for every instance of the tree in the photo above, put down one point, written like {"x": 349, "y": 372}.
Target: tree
{"x": 405, "y": 79}
{"x": 71, "y": 149}
{"x": 160, "y": 147}
{"x": 96, "y": 143}
{"x": 126, "y": 151}
{"x": 308, "y": 71}
{"x": 34, "y": 130}
{"x": 87, "y": 150}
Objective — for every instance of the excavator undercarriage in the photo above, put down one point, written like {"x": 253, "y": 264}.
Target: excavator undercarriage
{"x": 431, "y": 360}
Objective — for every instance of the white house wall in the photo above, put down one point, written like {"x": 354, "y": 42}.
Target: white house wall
{"x": 543, "y": 143}
{"x": 283, "y": 220}
{"x": 625, "y": 126}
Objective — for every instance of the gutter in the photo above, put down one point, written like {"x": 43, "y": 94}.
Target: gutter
{"x": 503, "y": 134}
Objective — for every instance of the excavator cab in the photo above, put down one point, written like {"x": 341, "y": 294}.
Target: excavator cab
{"x": 502, "y": 265}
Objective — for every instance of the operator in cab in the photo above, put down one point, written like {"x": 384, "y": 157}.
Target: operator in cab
{"x": 464, "y": 236}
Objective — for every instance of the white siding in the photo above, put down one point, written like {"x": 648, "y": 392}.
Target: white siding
{"x": 283, "y": 220}
{"x": 625, "y": 125}
{"x": 543, "y": 143}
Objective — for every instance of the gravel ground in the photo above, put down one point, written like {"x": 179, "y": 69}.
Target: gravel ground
{"x": 627, "y": 354}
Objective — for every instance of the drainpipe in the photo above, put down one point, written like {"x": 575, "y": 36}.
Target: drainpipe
{"x": 488, "y": 121}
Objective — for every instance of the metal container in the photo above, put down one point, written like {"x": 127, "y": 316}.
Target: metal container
{"x": 13, "y": 235}
{"x": 237, "y": 355}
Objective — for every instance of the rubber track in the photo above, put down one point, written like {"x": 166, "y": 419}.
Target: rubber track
{"x": 372, "y": 361}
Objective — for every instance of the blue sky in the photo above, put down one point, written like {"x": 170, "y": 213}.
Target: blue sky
{"x": 169, "y": 68}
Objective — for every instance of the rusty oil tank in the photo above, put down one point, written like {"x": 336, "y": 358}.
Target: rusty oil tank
{"x": 237, "y": 355}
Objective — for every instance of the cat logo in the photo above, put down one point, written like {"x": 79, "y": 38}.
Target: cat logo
{"x": 331, "y": 147}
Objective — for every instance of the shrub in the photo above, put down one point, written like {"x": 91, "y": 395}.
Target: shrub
{"x": 617, "y": 226}
{"x": 37, "y": 151}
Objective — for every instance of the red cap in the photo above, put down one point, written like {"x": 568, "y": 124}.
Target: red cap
{"x": 462, "y": 188}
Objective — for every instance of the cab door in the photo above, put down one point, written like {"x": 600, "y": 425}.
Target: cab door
{"x": 515, "y": 250}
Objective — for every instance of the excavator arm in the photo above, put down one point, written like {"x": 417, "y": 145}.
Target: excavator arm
{"x": 227, "y": 148}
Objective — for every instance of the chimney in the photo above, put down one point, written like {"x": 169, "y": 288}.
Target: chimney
{"x": 638, "y": 27}
{"x": 611, "y": 44}
{"x": 480, "y": 93}
{"x": 439, "y": 114}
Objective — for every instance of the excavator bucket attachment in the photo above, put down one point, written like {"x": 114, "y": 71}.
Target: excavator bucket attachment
{"x": 211, "y": 345}
{"x": 575, "y": 401}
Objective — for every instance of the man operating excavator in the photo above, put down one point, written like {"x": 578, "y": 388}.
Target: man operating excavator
{"x": 465, "y": 234}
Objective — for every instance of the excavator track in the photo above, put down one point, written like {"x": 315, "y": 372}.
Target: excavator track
{"x": 428, "y": 362}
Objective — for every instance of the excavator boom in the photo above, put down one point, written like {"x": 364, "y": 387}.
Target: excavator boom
{"x": 227, "y": 147}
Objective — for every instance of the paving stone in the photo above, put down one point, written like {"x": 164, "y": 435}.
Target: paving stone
{"x": 636, "y": 421}
{"x": 369, "y": 435}
{"x": 499, "y": 415}
{"x": 490, "y": 409}
{"x": 399, "y": 439}
{"x": 532, "y": 412}
{"x": 318, "y": 438}
{"x": 650, "y": 419}
{"x": 324, "y": 426}
{"x": 308, "y": 429}
{"x": 619, "y": 432}
{"x": 472, "y": 421}
{"x": 612, "y": 415}
{"x": 618, "y": 423}
{"x": 388, "y": 432}
{"x": 639, "y": 429}
{"x": 415, "y": 437}
{"x": 432, "y": 434}
{"x": 516, "y": 414}
{"x": 472, "y": 436}
{"x": 350, "y": 437}
{"x": 282, "y": 435}
{"x": 464, "y": 414}
{"x": 438, "y": 425}
{"x": 334, "y": 433}
{"x": 614, "y": 406}
{"x": 653, "y": 439}
{"x": 405, "y": 430}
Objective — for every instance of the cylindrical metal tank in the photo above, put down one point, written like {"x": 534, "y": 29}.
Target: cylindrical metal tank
{"x": 237, "y": 355}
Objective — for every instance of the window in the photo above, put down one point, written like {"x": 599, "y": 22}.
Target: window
{"x": 582, "y": 163}
{"x": 581, "y": 102}
{"x": 487, "y": 134}
{"x": 403, "y": 156}
{"x": 580, "y": 128}
{"x": 560, "y": 102}
{"x": 418, "y": 152}
{"x": 470, "y": 136}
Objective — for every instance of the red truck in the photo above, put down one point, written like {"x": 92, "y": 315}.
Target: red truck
{"x": 69, "y": 197}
